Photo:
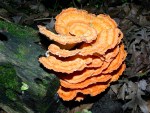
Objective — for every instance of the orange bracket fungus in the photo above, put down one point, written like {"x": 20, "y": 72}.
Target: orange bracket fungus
{"x": 87, "y": 52}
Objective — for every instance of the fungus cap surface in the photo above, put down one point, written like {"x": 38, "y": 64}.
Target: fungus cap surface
{"x": 87, "y": 53}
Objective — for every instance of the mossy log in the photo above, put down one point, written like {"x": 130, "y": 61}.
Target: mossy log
{"x": 25, "y": 87}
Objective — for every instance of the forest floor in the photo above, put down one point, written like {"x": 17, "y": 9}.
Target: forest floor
{"x": 132, "y": 92}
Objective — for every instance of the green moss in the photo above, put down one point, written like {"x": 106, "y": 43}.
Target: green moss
{"x": 2, "y": 46}
{"x": 11, "y": 95}
{"x": 22, "y": 51}
{"x": 17, "y": 30}
{"x": 9, "y": 83}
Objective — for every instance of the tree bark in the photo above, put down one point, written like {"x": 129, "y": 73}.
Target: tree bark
{"x": 25, "y": 86}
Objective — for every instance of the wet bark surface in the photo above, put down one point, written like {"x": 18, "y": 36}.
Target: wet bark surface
{"x": 26, "y": 87}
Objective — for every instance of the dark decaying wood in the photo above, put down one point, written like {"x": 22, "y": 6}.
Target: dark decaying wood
{"x": 26, "y": 87}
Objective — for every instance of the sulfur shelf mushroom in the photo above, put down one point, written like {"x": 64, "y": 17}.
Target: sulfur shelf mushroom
{"x": 65, "y": 66}
{"x": 78, "y": 76}
{"x": 92, "y": 55}
{"x": 111, "y": 54}
{"x": 117, "y": 61}
{"x": 98, "y": 66}
{"x": 106, "y": 40}
{"x": 87, "y": 35}
{"x": 72, "y": 15}
{"x": 96, "y": 62}
{"x": 56, "y": 50}
{"x": 93, "y": 90}
{"x": 87, "y": 82}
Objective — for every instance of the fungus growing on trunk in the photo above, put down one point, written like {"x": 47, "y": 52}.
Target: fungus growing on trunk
{"x": 96, "y": 58}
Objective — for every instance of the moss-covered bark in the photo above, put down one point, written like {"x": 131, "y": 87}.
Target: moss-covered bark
{"x": 19, "y": 64}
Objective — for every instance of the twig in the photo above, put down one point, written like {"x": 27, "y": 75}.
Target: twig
{"x": 5, "y": 19}
{"x": 74, "y": 3}
{"x": 39, "y": 19}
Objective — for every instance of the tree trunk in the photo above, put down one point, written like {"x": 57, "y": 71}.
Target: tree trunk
{"x": 25, "y": 86}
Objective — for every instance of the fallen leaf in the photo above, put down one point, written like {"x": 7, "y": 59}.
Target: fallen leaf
{"x": 142, "y": 84}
